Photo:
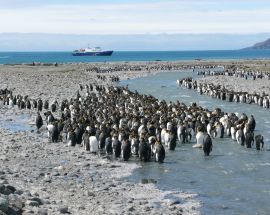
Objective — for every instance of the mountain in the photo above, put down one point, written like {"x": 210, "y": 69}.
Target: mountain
{"x": 262, "y": 45}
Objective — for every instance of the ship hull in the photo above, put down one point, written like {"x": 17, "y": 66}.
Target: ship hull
{"x": 103, "y": 53}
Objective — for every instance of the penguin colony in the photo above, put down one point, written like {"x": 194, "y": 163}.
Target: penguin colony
{"x": 121, "y": 123}
{"x": 241, "y": 73}
{"x": 220, "y": 92}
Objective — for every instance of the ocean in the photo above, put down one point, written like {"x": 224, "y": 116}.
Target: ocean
{"x": 66, "y": 57}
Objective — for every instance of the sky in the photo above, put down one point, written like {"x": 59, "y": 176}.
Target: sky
{"x": 135, "y": 17}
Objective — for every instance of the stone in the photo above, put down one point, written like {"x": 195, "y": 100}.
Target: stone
{"x": 3, "y": 204}
{"x": 13, "y": 189}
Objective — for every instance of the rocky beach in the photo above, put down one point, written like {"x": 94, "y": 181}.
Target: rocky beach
{"x": 40, "y": 177}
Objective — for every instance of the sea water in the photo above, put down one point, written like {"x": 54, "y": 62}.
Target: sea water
{"x": 234, "y": 179}
{"x": 66, "y": 57}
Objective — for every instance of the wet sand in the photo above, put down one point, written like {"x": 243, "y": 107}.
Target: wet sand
{"x": 70, "y": 179}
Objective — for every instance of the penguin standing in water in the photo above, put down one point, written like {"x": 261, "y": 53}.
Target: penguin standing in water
{"x": 252, "y": 123}
{"x": 199, "y": 138}
{"x": 144, "y": 150}
{"x": 207, "y": 145}
{"x": 240, "y": 137}
{"x": 135, "y": 144}
{"x": 126, "y": 149}
{"x": 170, "y": 140}
{"x": 39, "y": 121}
{"x": 159, "y": 152}
{"x": 249, "y": 139}
{"x": 259, "y": 141}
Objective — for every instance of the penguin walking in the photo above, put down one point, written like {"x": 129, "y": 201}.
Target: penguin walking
{"x": 207, "y": 145}
{"x": 170, "y": 140}
{"x": 159, "y": 152}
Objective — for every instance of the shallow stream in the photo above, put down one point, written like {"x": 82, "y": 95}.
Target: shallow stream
{"x": 233, "y": 180}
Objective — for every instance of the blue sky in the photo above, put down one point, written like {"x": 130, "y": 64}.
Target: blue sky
{"x": 36, "y": 19}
